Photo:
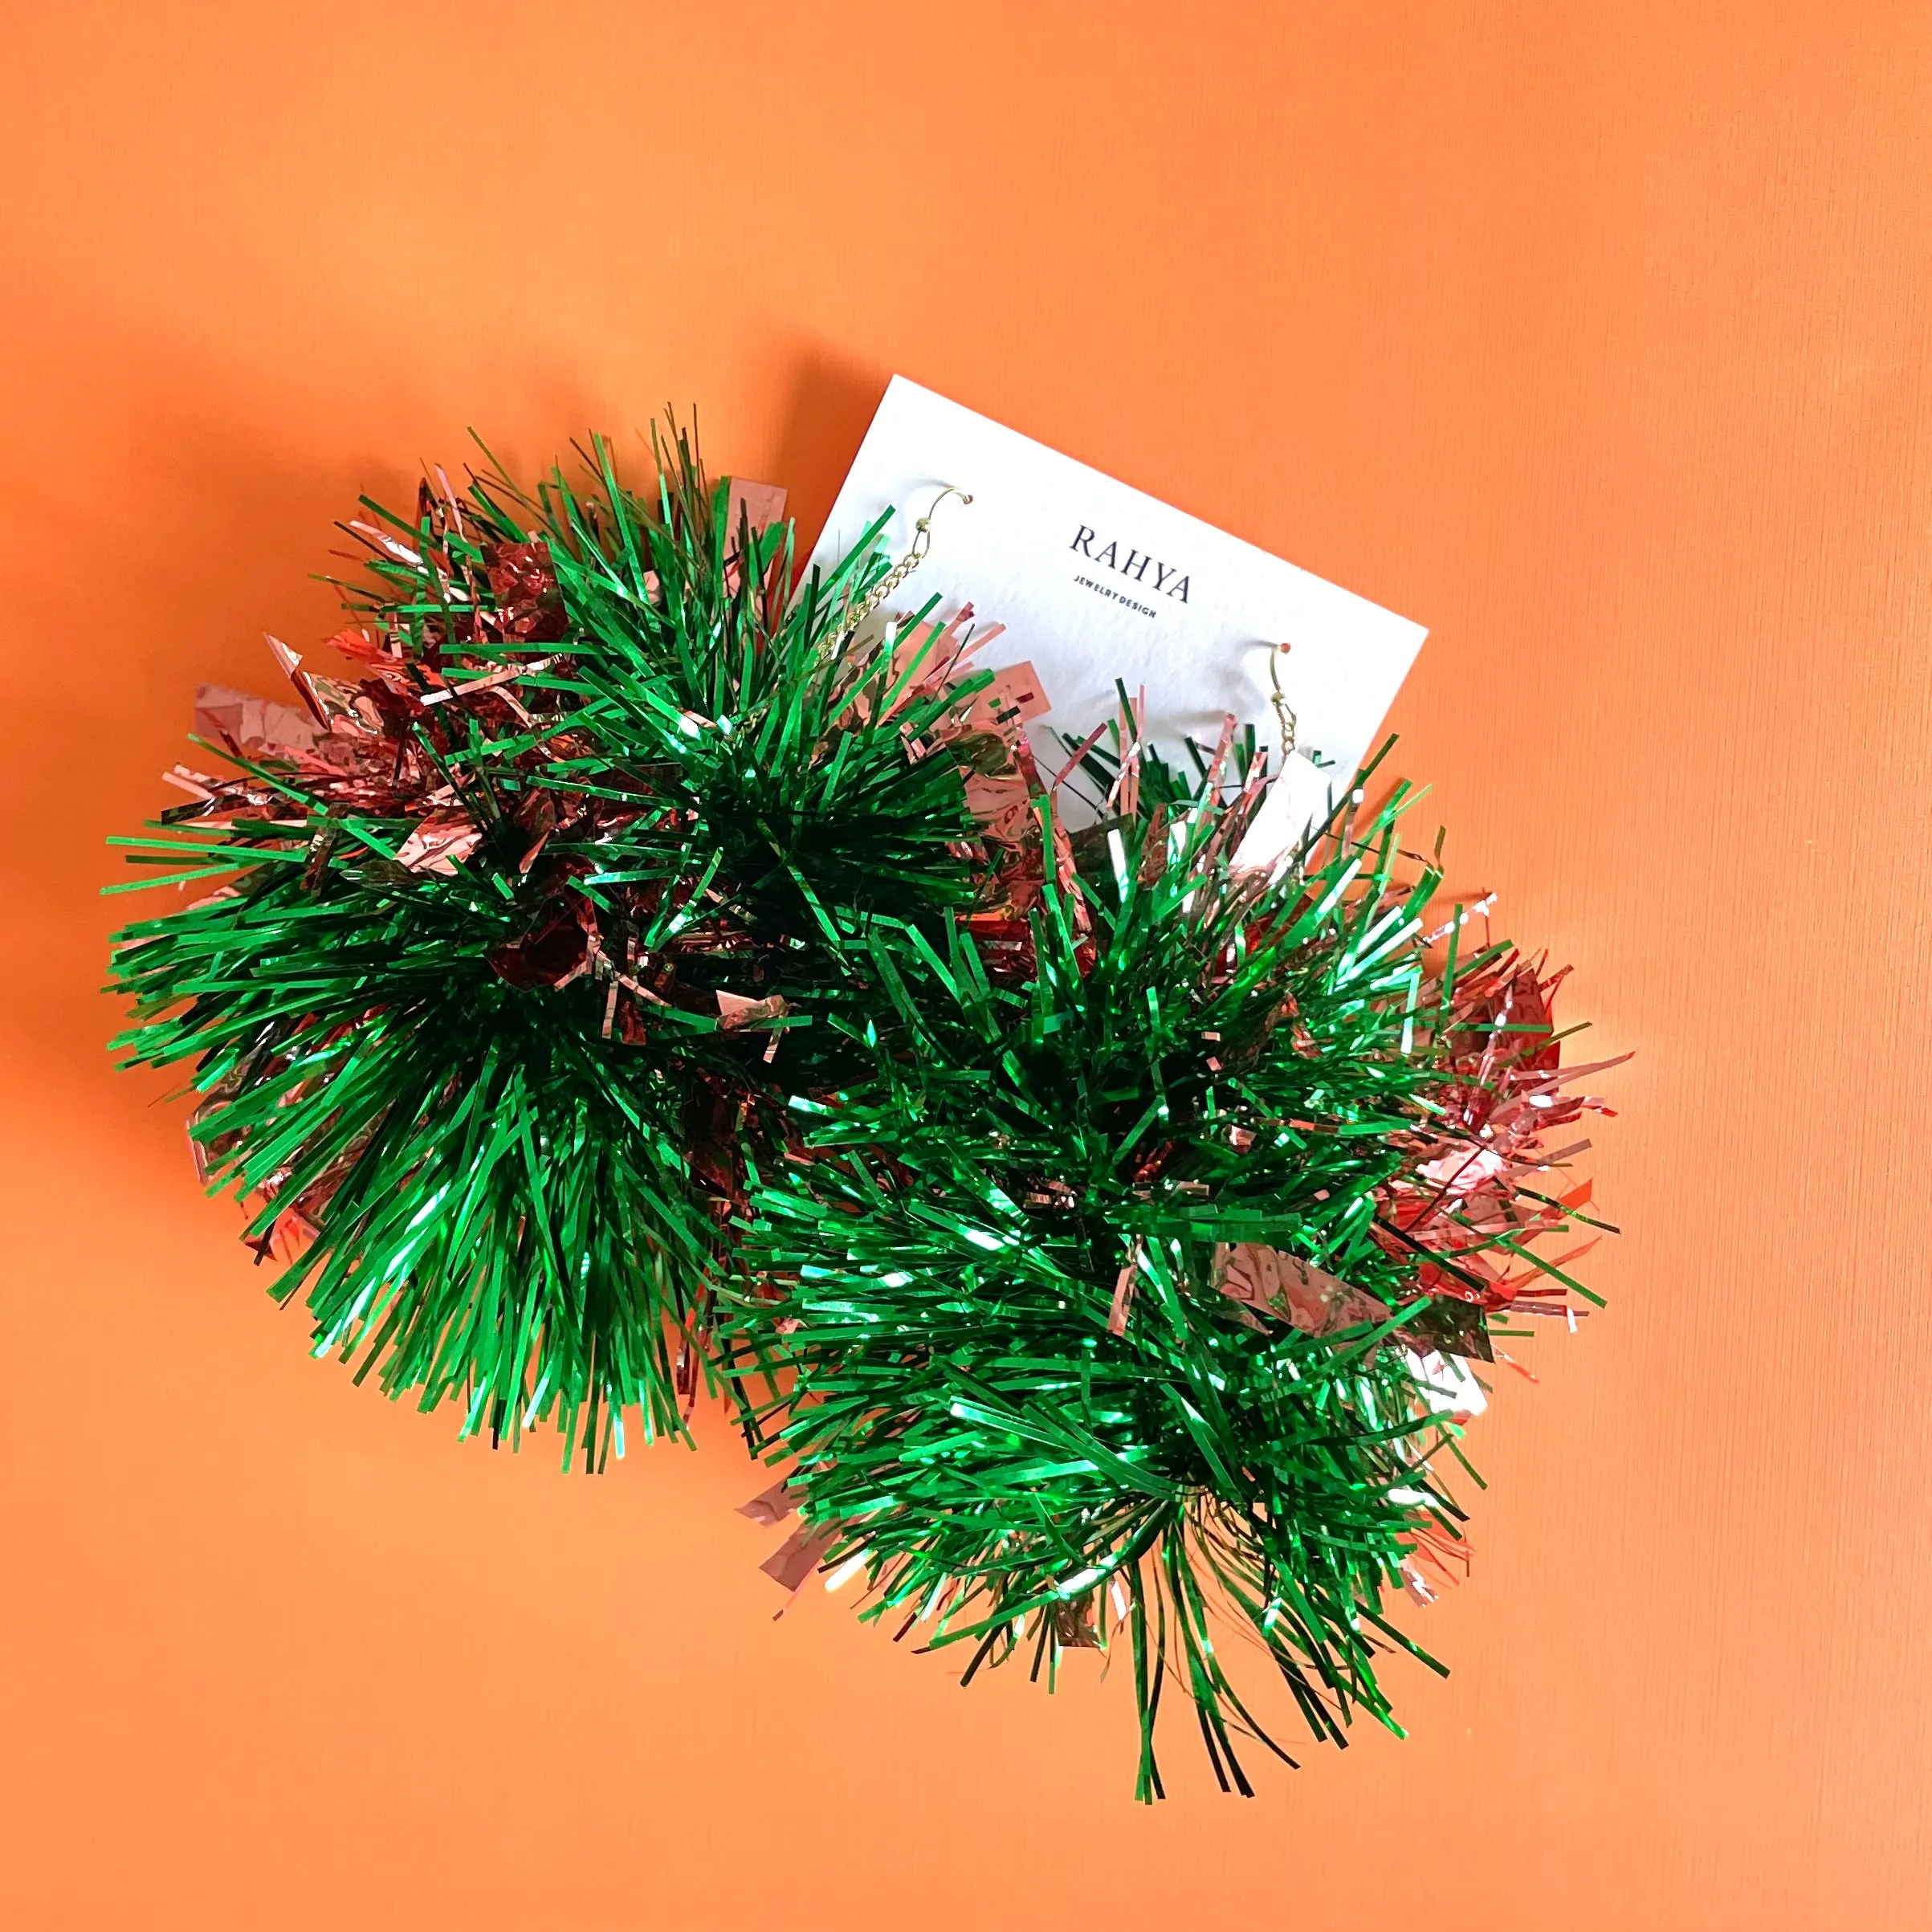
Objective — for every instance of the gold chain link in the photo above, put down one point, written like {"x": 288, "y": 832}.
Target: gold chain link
{"x": 922, "y": 542}
{"x": 1284, "y": 712}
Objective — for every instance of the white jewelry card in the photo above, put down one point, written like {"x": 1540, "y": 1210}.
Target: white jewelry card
{"x": 1095, "y": 582}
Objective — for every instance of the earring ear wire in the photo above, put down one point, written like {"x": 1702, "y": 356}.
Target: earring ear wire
{"x": 922, "y": 542}
{"x": 1284, "y": 711}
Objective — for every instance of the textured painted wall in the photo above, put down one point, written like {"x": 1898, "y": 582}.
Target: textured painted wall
{"x": 1593, "y": 336}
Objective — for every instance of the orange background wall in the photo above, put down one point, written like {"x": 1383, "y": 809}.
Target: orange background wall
{"x": 1593, "y": 334}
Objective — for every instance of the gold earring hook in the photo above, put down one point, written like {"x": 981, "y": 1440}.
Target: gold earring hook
{"x": 1284, "y": 711}
{"x": 922, "y": 542}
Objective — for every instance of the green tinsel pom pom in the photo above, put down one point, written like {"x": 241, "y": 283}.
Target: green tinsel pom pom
{"x": 1094, "y": 1303}
{"x": 532, "y": 929}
